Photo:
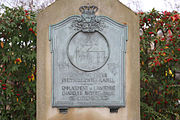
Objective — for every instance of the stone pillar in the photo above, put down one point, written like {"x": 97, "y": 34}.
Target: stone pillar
{"x": 59, "y": 11}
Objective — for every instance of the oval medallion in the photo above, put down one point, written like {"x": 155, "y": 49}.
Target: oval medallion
{"x": 88, "y": 51}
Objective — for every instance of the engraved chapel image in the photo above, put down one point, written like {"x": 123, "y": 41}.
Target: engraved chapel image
{"x": 88, "y": 61}
{"x": 91, "y": 48}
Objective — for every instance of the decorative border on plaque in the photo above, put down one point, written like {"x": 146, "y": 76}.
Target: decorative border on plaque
{"x": 88, "y": 21}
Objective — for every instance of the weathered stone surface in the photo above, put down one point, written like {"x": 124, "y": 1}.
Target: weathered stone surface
{"x": 59, "y": 11}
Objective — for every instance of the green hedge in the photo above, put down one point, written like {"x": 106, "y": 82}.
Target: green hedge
{"x": 159, "y": 56}
{"x": 17, "y": 64}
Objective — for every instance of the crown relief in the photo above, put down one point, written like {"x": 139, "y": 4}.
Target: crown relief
{"x": 88, "y": 21}
{"x": 88, "y": 9}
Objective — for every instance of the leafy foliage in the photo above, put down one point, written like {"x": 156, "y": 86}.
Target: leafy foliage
{"x": 17, "y": 64}
{"x": 159, "y": 56}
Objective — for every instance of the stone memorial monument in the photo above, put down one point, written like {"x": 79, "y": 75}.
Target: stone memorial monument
{"x": 88, "y": 61}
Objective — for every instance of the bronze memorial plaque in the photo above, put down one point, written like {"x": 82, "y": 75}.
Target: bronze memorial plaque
{"x": 88, "y": 61}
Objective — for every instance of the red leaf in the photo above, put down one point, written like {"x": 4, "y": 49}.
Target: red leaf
{"x": 151, "y": 33}
{"x": 158, "y": 102}
{"x": 22, "y": 20}
{"x": 30, "y": 29}
{"x": 176, "y": 60}
{"x": 156, "y": 41}
{"x": 4, "y": 88}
